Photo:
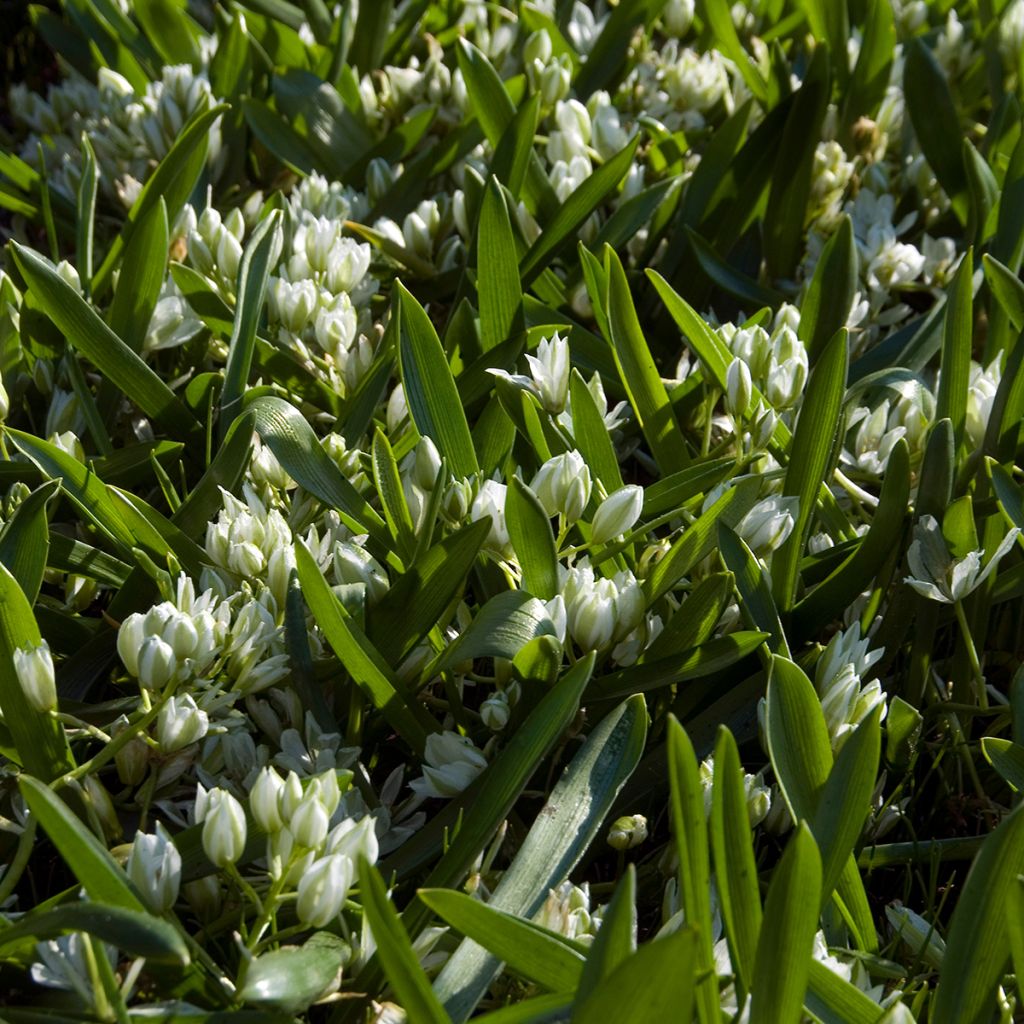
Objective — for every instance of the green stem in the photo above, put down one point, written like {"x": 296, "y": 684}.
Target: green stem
{"x": 21, "y": 858}
{"x": 972, "y": 654}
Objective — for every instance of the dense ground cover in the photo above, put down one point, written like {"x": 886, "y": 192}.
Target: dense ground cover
{"x": 512, "y": 510}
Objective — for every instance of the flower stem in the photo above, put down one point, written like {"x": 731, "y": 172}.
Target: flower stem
{"x": 972, "y": 653}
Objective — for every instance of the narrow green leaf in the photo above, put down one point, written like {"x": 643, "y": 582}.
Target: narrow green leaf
{"x": 84, "y": 854}
{"x": 1007, "y": 758}
{"x": 957, "y": 335}
{"x": 787, "y": 936}
{"x": 536, "y": 954}
{"x": 810, "y": 455}
{"x": 530, "y": 530}
{"x": 25, "y": 540}
{"x": 395, "y": 951}
{"x": 501, "y": 306}
{"x": 616, "y": 940}
{"x": 829, "y": 297}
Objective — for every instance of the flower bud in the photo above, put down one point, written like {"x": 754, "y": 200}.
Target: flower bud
{"x": 265, "y": 800}
{"x": 617, "y": 513}
{"x": 426, "y": 464}
{"x": 352, "y": 839}
{"x": 767, "y": 525}
{"x": 627, "y": 832}
{"x": 34, "y": 669}
{"x": 495, "y": 712}
{"x": 154, "y": 866}
{"x": 5, "y": 402}
{"x": 133, "y": 758}
{"x": 322, "y": 890}
{"x": 156, "y": 663}
{"x": 180, "y": 723}
{"x": 310, "y": 822}
{"x": 592, "y": 615}
{"x": 738, "y": 389}
{"x": 291, "y": 796}
{"x": 563, "y": 485}
{"x": 224, "y": 828}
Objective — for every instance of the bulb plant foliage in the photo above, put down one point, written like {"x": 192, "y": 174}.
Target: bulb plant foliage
{"x": 511, "y": 511}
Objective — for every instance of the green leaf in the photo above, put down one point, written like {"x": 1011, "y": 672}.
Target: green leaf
{"x": 25, "y": 540}
{"x": 170, "y": 30}
{"x": 540, "y": 956}
{"x": 616, "y": 940}
{"x": 977, "y": 947}
{"x": 39, "y": 739}
{"x": 260, "y": 254}
{"x": 84, "y": 329}
{"x": 497, "y": 284}
{"x": 936, "y": 122}
{"x": 639, "y": 375}
{"x": 954, "y": 380}
{"x": 783, "y": 962}
{"x": 172, "y": 181}
{"x": 870, "y": 77}
{"x": 732, "y": 281}
{"x": 1007, "y": 287}
{"x": 530, "y": 530}
{"x": 100, "y": 875}
{"x": 835, "y": 1001}
{"x": 430, "y": 391}
{"x": 591, "y": 436}
{"x": 138, "y": 934}
{"x": 786, "y": 212}
{"x": 846, "y": 800}
{"x": 1007, "y": 758}
{"x": 829, "y": 297}
{"x": 719, "y": 18}
{"x": 85, "y": 222}
{"x": 287, "y": 434}
{"x": 395, "y": 951}
{"x": 756, "y": 602}
{"x": 560, "y": 835}
{"x": 733, "y": 848}
{"x": 571, "y": 215}
{"x": 690, "y": 831}
{"x": 361, "y": 659}
{"x": 292, "y": 977}
{"x": 656, "y": 983}
{"x": 418, "y": 599}
{"x": 810, "y": 456}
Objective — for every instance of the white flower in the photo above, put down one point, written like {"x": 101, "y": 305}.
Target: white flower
{"x": 617, "y": 514}
{"x": 563, "y": 485}
{"x": 323, "y": 889}
{"x": 452, "y": 763}
{"x": 940, "y": 577}
{"x": 550, "y": 372}
{"x": 738, "y": 388}
{"x": 154, "y": 866}
{"x": 180, "y": 723}
{"x": 224, "y": 828}
{"x": 265, "y": 800}
{"x": 767, "y": 525}
{"x": 34, "y": 669}
{"x": 490, "y": 501}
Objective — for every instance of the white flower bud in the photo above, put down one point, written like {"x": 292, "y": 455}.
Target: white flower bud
{"x": 495, "y": 712}
{"x": 617, "y": 513}
{"x": 351, "y": 838}
{"x": 549, "y": 369}
{"x": 627, "y": 832}
{"x": 353, "y": 564}
{"x": 224, "y": 828}
{"x": 452, "y": 763}
{"x": 34, "y": 669}
{"x": 154, "y": 866}
{"x": 5, "y": 402}
{"x": 592, "y": 615}
{"x": 156, "y": 663}
{"x": 767, "y": 525}
{"x": 490, "y": 501}
{"x": 426, "y": 464}
{"x": 265, "y": 800}
{"x": 323, "y": 889}
{"x": 291, "y": 796}
{"x": 310, "y": 822}
{"x": 563, "y": 485}
{"x": 180, "y": 723}
{"x": 738, "y": 389}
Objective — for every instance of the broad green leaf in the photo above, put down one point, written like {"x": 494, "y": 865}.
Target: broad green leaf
{"x": 497, "y": 283}
{"x": 936, "y": 122}
{"x": 591, "y": 435}
{"x": 84, "y": 329}
{"x": 639, "y": 375}
{"x": 292, "y": 977}
{"x": 560, "y": 835}
{"x": 783, "y": 962}
{"x": 692, "y": 838}
{"x": 846, "y": 800}
{"x": 656, "y": 983}
{"x": 1007, "y": 758}
{"x": 361, "y": 659}
{"x": 170, "y": 30}
{"x": 25, "y": 540}
{"x": 826, "y": 305}
{"x": 810, "y": 456}
{"x": 835, "y": 1001}
{"x": 101, "y": 877}
{"x": 695, "y": 619}
{"x": 540, "y": 956}
{"x": 430, "y": 391}
{"x": 615, "y": 941}
{"x": 870, "y": 77}
{"x": 388, "y": 481}
{"x": 530, "y": 530}
{"x": 977, "y": 947}
{"x": 733, "y": 848}
{"x": 137, "y": 933}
